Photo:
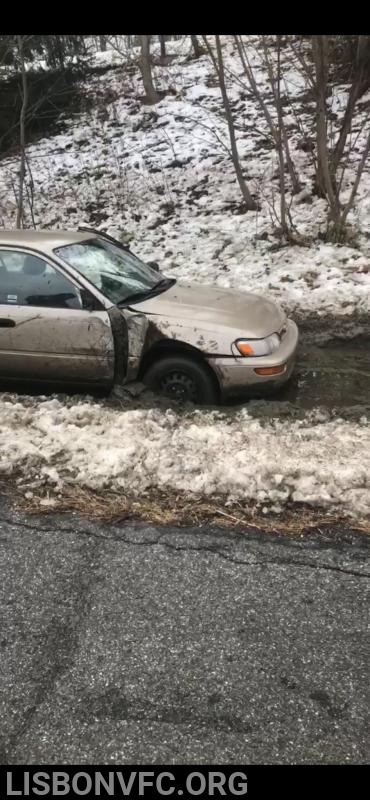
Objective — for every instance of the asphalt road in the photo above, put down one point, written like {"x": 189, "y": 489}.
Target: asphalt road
{"x": 135, "y": 644}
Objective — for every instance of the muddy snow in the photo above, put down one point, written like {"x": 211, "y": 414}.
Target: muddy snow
{"x": 54, "y": 443}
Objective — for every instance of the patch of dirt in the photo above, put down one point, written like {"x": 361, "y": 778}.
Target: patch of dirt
{"x": 326, "y": 328}
{"x": 167, "y": 508}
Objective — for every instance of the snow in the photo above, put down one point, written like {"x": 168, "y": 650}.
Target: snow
{"x": 56, "y": 442}
{"x": 163, "y": 175}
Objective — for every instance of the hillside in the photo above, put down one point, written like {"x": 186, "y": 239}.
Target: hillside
{"x": 162, "y": 175}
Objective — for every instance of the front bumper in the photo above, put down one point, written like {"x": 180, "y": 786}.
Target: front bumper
{"x": 237, "y": 373}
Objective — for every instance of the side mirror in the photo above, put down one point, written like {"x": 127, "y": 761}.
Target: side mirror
{"x": 89, "y": 302}
{"x": 153, "y": 265}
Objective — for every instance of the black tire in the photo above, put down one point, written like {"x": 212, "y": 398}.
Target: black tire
{"x": 182, "y": 378}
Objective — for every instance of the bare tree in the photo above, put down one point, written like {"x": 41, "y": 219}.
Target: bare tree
{"x": 280, "y": 146}
{"x": 218, "y": 63}
{"x": 328, "y": 162}
{"x": 354, "y": 93}
{"x": 30, "y": 191}
{"x": 238, "y": 42}
{"x": 334, "y": 149}
{"x": 151, "y": 94}
{"x": 282, "y": 135}
{"x": 340, "y": 230}
{"x": 123, "y": 46}
{"x": 197, "y": 49}
{"x": 162, "y": 42}
{"x": 278, "y": 131}
{"x": 22, "y": 131}
{"x": 323, "y": 179}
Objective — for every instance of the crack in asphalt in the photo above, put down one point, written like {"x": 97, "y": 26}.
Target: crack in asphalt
{"x": 159, "y": 540}
{"x": 247, "y": 563}
{"x": 38, "y": 528}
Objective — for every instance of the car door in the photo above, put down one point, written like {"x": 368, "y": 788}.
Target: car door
{"x": 50, "y": 329}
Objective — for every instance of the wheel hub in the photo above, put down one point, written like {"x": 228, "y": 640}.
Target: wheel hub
{"x": 179, "y": 385}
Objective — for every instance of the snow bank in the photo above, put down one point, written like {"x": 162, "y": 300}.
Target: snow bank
{"x": 57, "y": 442}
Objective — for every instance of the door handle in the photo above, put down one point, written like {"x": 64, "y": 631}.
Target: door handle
{"x": 7, "y": 323}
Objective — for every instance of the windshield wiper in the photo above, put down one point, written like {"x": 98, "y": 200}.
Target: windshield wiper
{"x": 137, "y": 297}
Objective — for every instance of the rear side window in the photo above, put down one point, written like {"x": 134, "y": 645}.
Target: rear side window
{"x": 27, "y": 280}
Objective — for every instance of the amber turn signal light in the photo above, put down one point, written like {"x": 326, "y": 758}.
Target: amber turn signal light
{"x": 270, "y": 370}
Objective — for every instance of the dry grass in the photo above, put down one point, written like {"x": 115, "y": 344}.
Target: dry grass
{"x": 178, "y": 509}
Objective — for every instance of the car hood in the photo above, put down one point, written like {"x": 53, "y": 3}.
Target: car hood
{"x": 215, "y": 308}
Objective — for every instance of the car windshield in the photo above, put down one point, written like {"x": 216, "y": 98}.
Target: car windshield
{"x": 115, "y": 271}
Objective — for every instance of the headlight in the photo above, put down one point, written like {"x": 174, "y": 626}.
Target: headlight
{"x": 258, "y": 347}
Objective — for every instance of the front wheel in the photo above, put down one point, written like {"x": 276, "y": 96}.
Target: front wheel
{"x": 182, "y": 378}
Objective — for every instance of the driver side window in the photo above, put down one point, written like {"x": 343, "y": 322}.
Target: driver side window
{"x": 27, "y": 279}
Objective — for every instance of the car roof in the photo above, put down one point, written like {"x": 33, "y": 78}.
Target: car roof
{"x": 46, "y": 241}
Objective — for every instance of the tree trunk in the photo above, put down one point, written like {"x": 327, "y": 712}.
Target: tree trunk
{"x": 351, "y": 200}
{"x": 321, "y": 115}
{"x": 102, "y": 44}
{"x": 22, "y": 133}
{"x": 162, "y": 41}
{"x": 279, "y": 145}
{"x": 284, "y": 141}
{"x": 248, "y": 71}
{"x": 198, "y": 52}
{"x": 238, "y": 43}
{"x": 59, "y": 50}
{"x": 151, "y": 95}
{"x": 353, "y": 95}
{"x": 220, "y": 70}
{"x": 324, "y": 184}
